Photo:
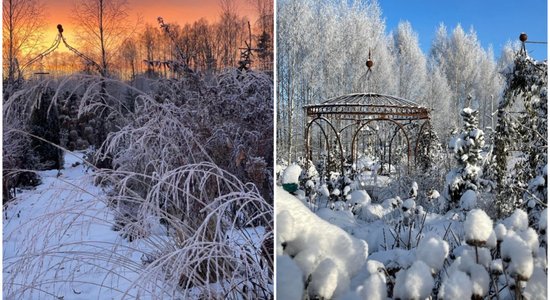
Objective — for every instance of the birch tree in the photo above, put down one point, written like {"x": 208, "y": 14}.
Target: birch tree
{"x": 102, "y": 26}
{"x": 411, "y": 63}
{"x": 22, "y": 24}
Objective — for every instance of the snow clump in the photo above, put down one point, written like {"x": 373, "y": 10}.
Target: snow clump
{"x": 516, "y": 251}
{"x": 468, "y": 201}
{"x": 414, "y": 283}
{"x": 360, "y": 198}
{"x": 324, "y": 280}
{"x": 456, "y": 286}
{"x": 292, "y": 174}
{"x": 433, "y": 252}
{"x": 346, "y": 255}
{"x": 517, "y": 221}
{"x": 477, "y": 227}
{"x": 531, "y": 238}
{"x": 500, "y": 232}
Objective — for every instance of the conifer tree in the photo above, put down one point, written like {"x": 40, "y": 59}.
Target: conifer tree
{"x": 467, "y": 152}
{"x": 44, "y": 123}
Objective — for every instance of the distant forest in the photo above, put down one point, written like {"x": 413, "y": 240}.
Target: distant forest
{"x": 126, "y": 47}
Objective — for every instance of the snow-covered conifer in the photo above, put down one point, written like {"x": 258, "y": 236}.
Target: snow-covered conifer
{"x": 467, "y": 152}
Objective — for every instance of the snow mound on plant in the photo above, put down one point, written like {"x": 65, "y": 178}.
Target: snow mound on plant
{"x": 468, "y": 200}
{"x": 500, "y": 232}
{"x": 517, "y": 221}
{"x": 291, "y": 174}
{"x": 433, "y": 252}
{"x": 515, "y": 249}
{"x": 414, "y": 283}
{"x": 456, "y": 286}
{"x": 360, "y": 198}
{"x": 477, "y": 227}
{"x": 324, "y": 280}
{"x": 347, "y": 255}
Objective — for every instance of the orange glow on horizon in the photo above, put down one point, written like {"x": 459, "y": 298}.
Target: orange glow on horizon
{"x": 173, "y": 11}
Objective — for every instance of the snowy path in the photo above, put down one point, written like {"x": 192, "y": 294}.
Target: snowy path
{"x": 58, "y": 241}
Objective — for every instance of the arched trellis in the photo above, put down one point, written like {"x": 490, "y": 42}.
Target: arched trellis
{"x": 355, "y": 111}
{"x": 400, "y": 127}
{"x": 337, "y": 138}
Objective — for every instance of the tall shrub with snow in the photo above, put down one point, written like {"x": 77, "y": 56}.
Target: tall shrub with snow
{"x": 467, "y": 152}
{"x": 526, "y": 82}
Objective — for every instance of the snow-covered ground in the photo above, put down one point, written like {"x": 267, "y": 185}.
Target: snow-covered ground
{"x": 360, "y": 248}
{"x": 59, "y": 243}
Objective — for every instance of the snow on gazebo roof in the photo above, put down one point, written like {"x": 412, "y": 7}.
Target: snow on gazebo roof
{"x": 370, "y": 105}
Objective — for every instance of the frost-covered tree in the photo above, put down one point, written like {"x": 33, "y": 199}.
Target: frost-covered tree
{"x": 319, "y": 56}
{"x": 467, "y": 152}
{"x": 488, "y": 88}
{"x": 469, "y": 69}
{"x": 411, "y": 64}
{"x": 229, "y": 33}
{"x": 429, "y": 149}
{"x": 438, "y": 98}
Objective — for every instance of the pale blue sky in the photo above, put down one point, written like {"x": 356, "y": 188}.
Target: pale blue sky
{"x": 495, "y": 21}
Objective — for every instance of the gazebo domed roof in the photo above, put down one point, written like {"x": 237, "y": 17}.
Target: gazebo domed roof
{"x": 370, "y": 99}
{"x": 368, "y": 105}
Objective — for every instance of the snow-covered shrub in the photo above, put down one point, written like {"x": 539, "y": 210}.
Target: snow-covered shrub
{"x": 25, "y": 113}
{"x": 526, "y": 81}
{"x": 467, "y": 152}
{"x": 44, "y": 124}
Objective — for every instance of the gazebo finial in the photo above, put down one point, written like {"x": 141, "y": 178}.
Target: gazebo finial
{"x": 370, "y": 63}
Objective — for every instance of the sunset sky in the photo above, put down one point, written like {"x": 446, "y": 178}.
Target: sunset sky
{"x": 179, "y": 11}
